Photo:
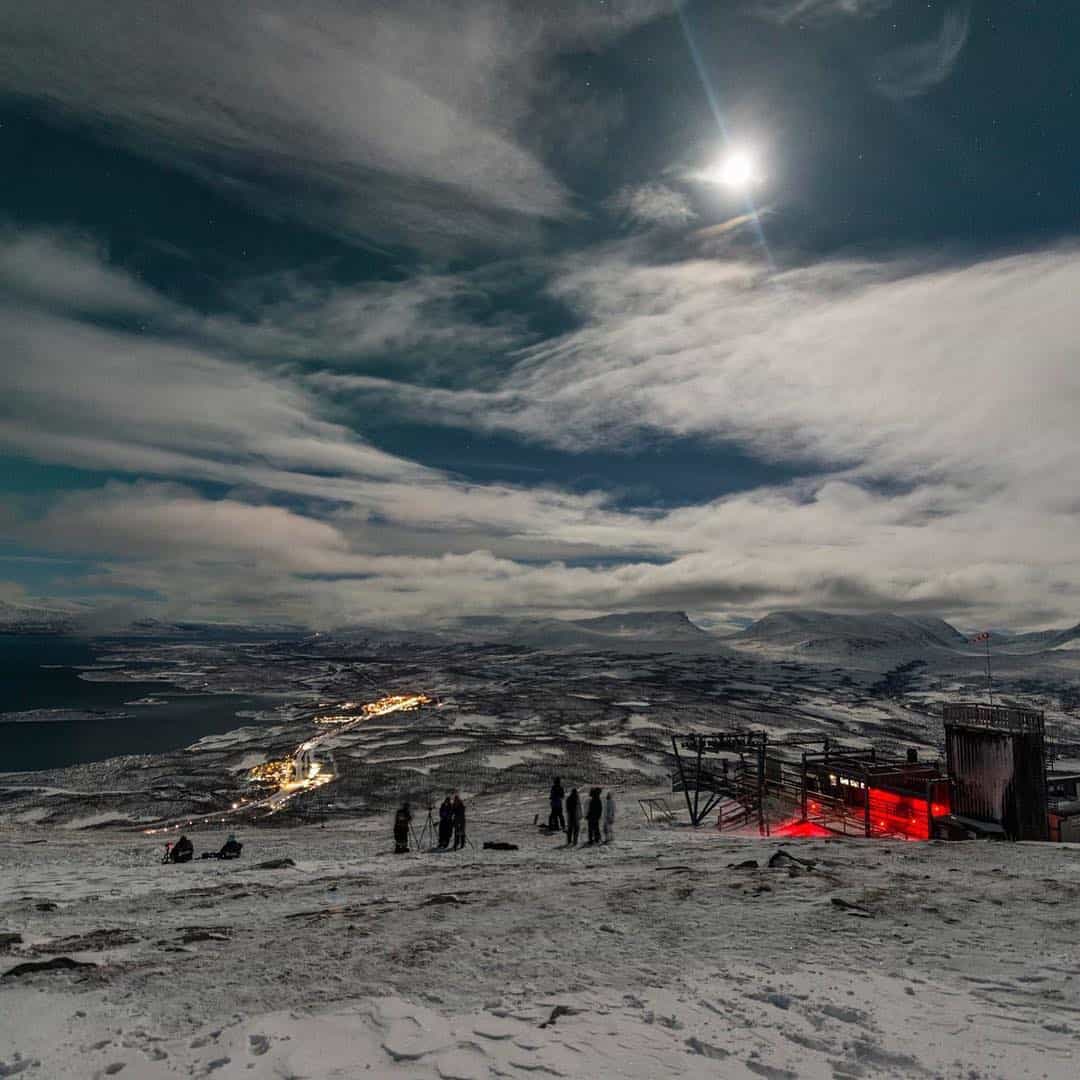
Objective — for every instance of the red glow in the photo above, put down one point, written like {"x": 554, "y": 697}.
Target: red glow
{"x": 904, "y": 815}
{"x": 801, "y": 829}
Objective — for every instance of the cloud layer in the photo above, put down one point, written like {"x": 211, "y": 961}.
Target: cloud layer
{"x": 935, "y": 409}
{"x": 400, "y": 121}
{"x": 241, "y": 460}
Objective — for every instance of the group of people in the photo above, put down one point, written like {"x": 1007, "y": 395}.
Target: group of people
{"x": 451, "y": 825}
{"x": 184, "y": 850}
{"x": 599, "y": 810}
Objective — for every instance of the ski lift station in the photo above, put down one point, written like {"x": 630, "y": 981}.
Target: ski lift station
{"x": 993, "y": 782}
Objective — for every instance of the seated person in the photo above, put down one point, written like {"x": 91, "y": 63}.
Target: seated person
{"x": 231, "y": 848}
{"x": 182, "y": 851}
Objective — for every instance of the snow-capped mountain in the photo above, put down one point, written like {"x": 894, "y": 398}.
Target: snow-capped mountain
{"x": 31, "y": 619}
{"x": 620, "y": 632}
{"x": 1040, "y": 640}
{"x": 825, "y": 631}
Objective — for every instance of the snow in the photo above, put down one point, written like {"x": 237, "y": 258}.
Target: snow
{"x": 628, "y": 762}
{"x": 420, "y": 754}
{"x": 230, "y": 740}
{"x": 662, "y": 957}
{"x": 670, "y": 958}
{"x": 511, "y": 758}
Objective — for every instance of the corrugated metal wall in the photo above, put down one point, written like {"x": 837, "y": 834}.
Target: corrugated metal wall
{"x": 999, "y": 776}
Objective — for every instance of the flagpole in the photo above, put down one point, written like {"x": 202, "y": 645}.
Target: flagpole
{"x": 989, "y": 677}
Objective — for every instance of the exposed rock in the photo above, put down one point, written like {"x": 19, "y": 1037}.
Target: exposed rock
{"x": 93, "y": 941}
{"x": 852, "y": 909}
{"x": 195, "y": 934}
{"x": 274, "y": 864}
{"x": 57, "y": 963}
{"x": 560, "y": 1010}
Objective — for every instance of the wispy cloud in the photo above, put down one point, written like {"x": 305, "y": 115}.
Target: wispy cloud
{"x": 784, "y": 11}
{"x": 68, "y": 271}
{"x": 938, "y": 404}
{"x": 887, "y": 376}
{"x": 793, "y": 364}
{"x": 429, "y": 321}
{"x": 379, "y": 118}
{"x": 915, "y": 69}
{"x": 651, "y": 204}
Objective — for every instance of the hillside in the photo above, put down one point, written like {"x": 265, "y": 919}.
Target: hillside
{"x": 669, "y": 953}
{"x": 825, "y": 631}
{"x": 637, "y": 631}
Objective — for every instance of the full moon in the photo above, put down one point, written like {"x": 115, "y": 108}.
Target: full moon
{"x": 735, "y": 170}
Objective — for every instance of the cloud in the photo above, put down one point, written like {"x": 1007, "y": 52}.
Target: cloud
{"x": 846, "y": 362}
{"x": 65, "y": 270}
{"x": 112, "y": 400}
{"x": 169, "y": 522}
{"x": 915, "y": 69}
{"x": 436, "y": 321}
{"x": 400, "y": 121}
{"x": 651, "y": 204}
{"x": 934, "y": 404}
{"x": 784, "y": 11}
{"x": 828, "y": 544}
{"x": 430, "y": 321}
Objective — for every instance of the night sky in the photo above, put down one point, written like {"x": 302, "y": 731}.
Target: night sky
{"x": 396, "y": 312}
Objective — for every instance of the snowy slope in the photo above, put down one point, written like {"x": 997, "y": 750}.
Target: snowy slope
{"x": 31, "y": 619}
{"x": 638, "y": 631}
{"x": 1040, "y": 640}
{"x": 825, "y": 630}
{"x": 663, "y": 955}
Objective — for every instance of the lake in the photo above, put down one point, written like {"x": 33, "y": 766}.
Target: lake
{"x": 29, "y": 680}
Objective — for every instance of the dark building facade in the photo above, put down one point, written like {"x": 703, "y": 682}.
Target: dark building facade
{"x": 996, "y": 758}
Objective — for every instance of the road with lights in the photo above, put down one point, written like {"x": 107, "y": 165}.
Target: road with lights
{"x": 301, "y": 771}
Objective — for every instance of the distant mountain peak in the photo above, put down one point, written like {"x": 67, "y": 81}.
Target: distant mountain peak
{"x": 642, "y": 621}
{"x": 881, "y": 630}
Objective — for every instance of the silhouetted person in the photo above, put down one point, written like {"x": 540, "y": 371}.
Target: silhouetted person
{"x": 556, "y": 821}
{"x": 446, "y": 823}
{"x": 573, "y": 817}
{"x": 593, "y": 813}
{"x": 609, "y": 818}
{"x": 231, "y": 848}
{"x": 182, "y": 851}
{"x": 458, "y": 818}
{"x": 402, "y": 820}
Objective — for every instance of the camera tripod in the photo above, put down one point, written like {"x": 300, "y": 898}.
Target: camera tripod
{"x": 429, "y": 830}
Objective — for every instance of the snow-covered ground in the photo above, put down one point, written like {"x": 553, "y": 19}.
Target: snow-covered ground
{"x": 663, "y": 955}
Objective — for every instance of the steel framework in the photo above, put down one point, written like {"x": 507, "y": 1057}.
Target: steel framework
{"x": 744, "y": 785}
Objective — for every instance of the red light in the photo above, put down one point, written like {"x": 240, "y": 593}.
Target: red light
{"x": 801, "y": 829}
{"x": 903, "y": 815}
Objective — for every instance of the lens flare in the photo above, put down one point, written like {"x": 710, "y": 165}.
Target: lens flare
{"x": 737, "y": 170}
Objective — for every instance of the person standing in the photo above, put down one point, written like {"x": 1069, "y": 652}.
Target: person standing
{"x": 593, "y": 815}
{"x": 573, "y": 818}
{"x": 446, "y": 823}
{"x": 402, "y": 821}
{"x": 557, "y": 821}
{"x": 609, "y": 817}
{"x": 458, "y": 818}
